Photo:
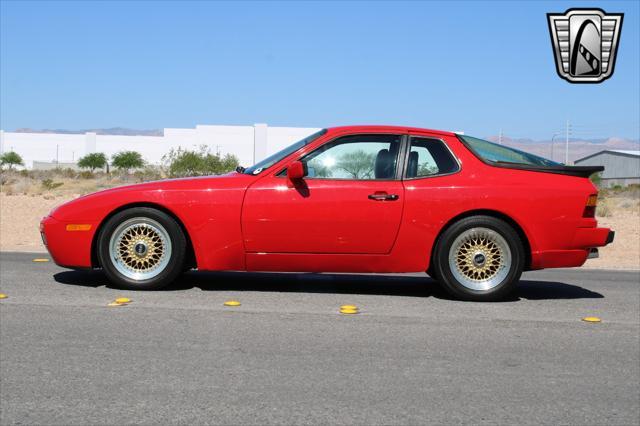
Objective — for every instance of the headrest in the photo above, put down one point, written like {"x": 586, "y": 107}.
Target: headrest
{"x": 384, "y": 165}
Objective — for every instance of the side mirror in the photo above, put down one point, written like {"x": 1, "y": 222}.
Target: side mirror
{"x": 296, "y": 171}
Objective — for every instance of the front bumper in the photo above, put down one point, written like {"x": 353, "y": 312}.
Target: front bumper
{"x": 67, "y": 248}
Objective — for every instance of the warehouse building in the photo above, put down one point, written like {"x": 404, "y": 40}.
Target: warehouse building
{"x": 620, "y": 167}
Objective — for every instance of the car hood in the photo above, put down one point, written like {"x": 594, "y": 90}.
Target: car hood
{"x": 97, "y": 204}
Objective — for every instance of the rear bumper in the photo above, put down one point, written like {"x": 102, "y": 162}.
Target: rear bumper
{"x": 593, "y": 237}
{"x": 585, "y": 240}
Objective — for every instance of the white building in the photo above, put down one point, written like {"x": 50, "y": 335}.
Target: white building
{"x": 248, "y": 143}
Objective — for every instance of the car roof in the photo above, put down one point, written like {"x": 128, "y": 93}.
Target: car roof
{"x": 377, "y": 128}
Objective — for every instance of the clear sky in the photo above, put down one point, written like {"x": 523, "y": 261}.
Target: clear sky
{"x": 469, "y": 66}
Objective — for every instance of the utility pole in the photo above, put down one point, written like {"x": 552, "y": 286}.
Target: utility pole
{"x": 57, "y": 149}
{"x": 552, "y": 138}
{"x": 566, "y": 145}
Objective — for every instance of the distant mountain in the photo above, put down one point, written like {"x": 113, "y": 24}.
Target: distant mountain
{"x": 120, "y": 131}
{"x": 578, "y": 148}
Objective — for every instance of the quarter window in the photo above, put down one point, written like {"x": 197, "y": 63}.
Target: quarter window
{"x": 357, "y": 157}
{"x": 429, "y": 157}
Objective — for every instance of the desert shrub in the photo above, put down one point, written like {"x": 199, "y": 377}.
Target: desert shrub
{"x": 67, "y": 173}
{"x": 596, "y": 178}
{"x": 604, "y": 209}
{"x": 148, "y": 173}
{"x": 93, "y": 161}
{"x": 49, "y": 184}
{"x": 21, "y": 185}
{"x": 5, "y": 178}
{"x": 182, "y": 163}
{"x": 11, "y": 159}
{"x": 86, "y": 175}
{"x": 127, "y": 160}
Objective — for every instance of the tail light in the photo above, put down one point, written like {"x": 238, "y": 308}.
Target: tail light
{"x": 590, "y": 208}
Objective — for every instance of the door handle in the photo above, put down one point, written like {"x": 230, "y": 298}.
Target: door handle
{"x": 383, "y": 196}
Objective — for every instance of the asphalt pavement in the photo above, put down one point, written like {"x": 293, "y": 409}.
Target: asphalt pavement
{"x": 286, "y": 356}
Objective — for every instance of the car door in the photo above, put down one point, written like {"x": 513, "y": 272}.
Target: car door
{"x": 350, "y": 201}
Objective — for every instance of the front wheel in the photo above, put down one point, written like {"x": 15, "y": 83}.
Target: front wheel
{"x": 479, "y": 258}
{"x": 141, "y": 249}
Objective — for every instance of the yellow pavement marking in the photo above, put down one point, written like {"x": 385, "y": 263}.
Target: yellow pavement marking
{"x": 40, "y": 259}
{"x": 591, "y": 319}
{"x": 120, "y": 301}
{"x": 3, "y": 296}
{"x": 232, "y": 303}
{"x": 349, "y": 309}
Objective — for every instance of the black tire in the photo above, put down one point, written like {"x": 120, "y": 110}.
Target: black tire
{"x": 170, "y": 271}
{"x": 457, "y": 288}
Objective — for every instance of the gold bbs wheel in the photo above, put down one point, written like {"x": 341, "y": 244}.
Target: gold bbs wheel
{"x": 140, "y": 248}
{"x": 480, "y": 258}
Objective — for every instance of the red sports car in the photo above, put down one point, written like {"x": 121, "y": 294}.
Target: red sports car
{"x": 471, "y": 213}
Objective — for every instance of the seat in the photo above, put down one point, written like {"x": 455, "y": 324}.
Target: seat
{"x": 412, "y": 166}
{"x": 384, "y": 166}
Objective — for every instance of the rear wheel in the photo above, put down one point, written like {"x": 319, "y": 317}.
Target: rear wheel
{"x": 141, "y": 249}
{"x": 479, "y": 258}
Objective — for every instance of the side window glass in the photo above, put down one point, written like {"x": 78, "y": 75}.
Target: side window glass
{"x": 429, "y": 157}
{"x": 357, "y": 157}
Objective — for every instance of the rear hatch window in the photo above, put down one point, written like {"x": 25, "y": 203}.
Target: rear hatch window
{"x": 502, "y": 156}
{"x": 493, "y": 152}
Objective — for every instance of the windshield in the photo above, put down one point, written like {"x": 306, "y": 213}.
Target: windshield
{"x": 490, "y": 151}
{"x": 273, "y": 159}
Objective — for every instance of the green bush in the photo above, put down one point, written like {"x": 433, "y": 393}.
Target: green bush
{"x": 11, "y": 159}
{"x": 182, "y": 163}
{"x": 49, "y": 184}
{"x": 127, "y": 160}
{"x": 596, "y": 178}
{"x": 93, "y": 161}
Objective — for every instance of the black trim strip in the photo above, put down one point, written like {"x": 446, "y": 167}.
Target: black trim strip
{"x": 610, "y": 237}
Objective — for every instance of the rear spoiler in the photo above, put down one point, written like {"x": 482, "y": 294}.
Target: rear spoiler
{"x": 579, "y": 171}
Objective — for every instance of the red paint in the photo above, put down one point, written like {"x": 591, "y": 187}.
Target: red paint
{"x": 244, "y": 222}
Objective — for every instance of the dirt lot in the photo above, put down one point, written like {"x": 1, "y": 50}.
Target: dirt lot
{"x": 21, "y": 214}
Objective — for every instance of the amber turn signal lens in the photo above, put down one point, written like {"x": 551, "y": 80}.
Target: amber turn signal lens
{"x": 590, "y": 208}
{"x": 78, "y": 227}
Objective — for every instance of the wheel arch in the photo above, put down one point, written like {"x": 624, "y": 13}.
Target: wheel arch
{"x": 190, "y": 256}
{"x": 492, "y": 213}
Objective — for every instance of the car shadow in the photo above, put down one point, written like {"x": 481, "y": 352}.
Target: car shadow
{"x": 383, "y": 285}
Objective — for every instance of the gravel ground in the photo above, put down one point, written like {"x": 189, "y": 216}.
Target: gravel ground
{"x": 21, "y": 214}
